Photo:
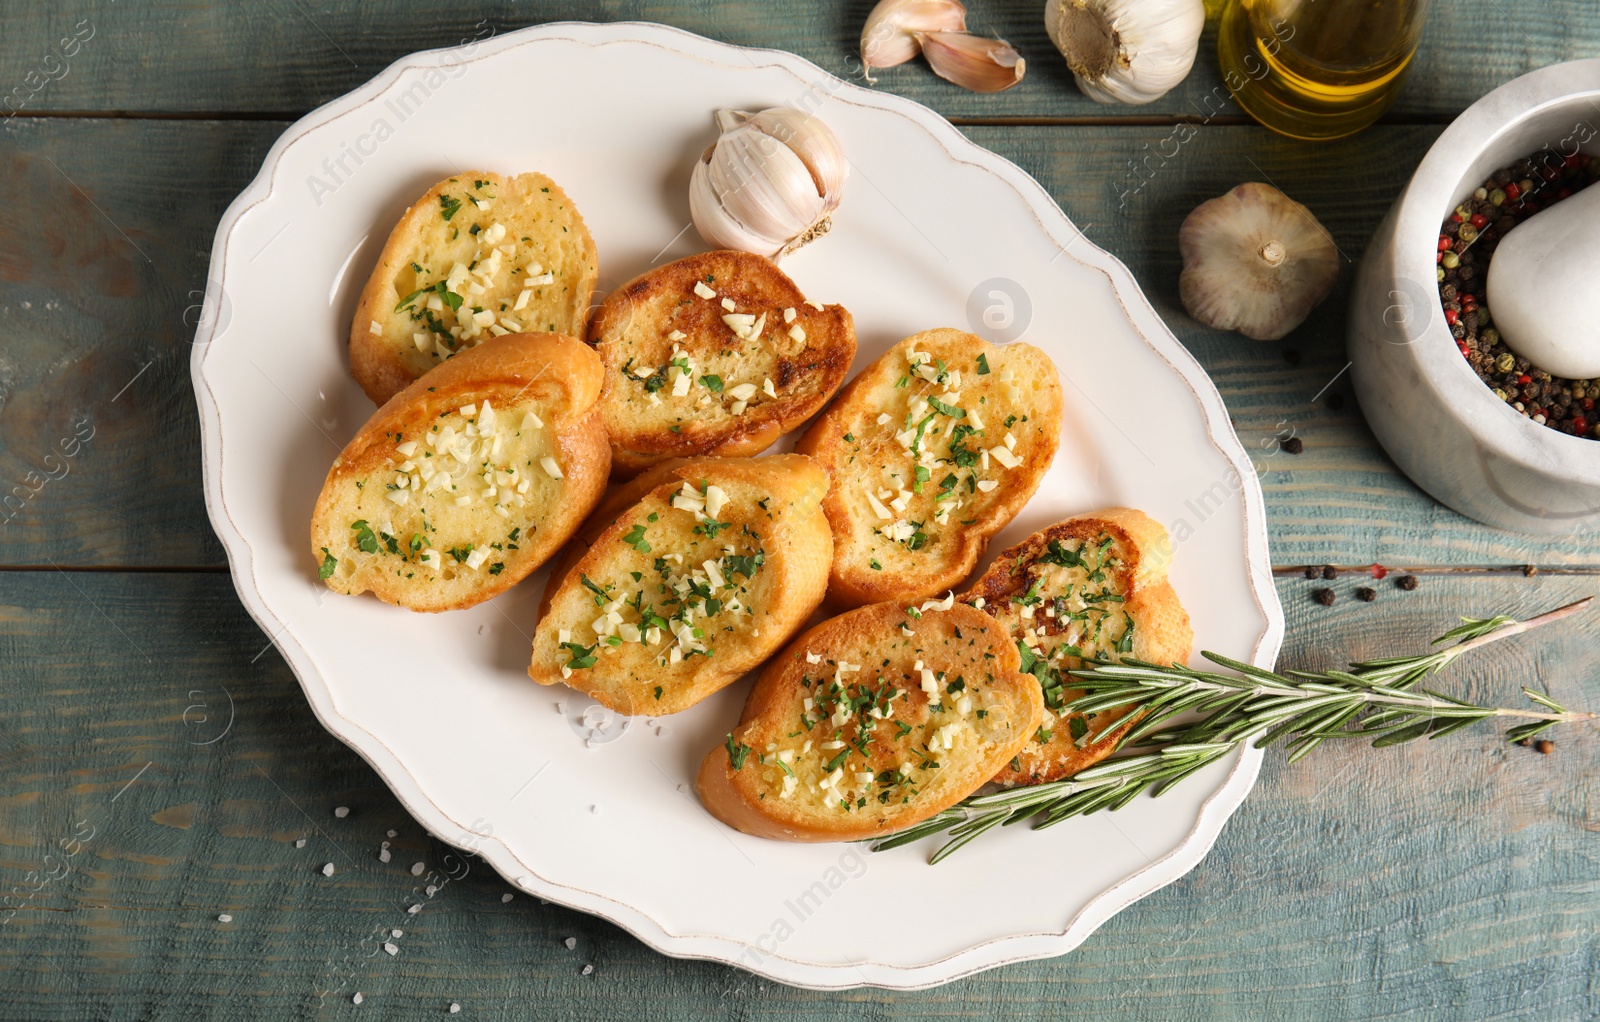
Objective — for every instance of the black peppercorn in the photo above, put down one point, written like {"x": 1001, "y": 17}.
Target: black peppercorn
{"x": 1294, "y": 445}
{"x": 1366, "y": 594}
{"x": 1324, "y": 597}
{"x": 1329, "y": 572}
{"x": 1406, "y": 582}
{"x": 1545, "y": 746}
{"x": 1312, "y": 571}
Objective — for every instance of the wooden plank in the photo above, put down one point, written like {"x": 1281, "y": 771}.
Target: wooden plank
{"x": 1450, "y": 880}
{"x": 88, "y": 316}
{"x": 222, "y": 58}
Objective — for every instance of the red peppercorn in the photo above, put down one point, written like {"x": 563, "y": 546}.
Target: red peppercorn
{"x": 1444, "y": 242}
{"x": 1571, "y": 160}
{"x": 1538, "y": 411}
{"x": 1580, "y": 425}
{"x": 1530, "y": 207}
{"x": 1457, "y": 218}
{"x": 1588, "y": 404}
{"x": 1379, "y": 571}
{"x": 1524, "y": 378}
{"x": 1461, "y": 346}
{"x": 1512, "y": 190}
{"x": 1450, "y": 316}
{"x": 1563, "y": 193}
{"x": 1478, "y": 220}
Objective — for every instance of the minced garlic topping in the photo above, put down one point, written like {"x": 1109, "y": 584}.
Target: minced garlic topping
{"x": 678, "y": 607}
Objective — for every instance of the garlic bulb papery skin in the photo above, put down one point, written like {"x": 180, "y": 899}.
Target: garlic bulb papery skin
{"x": 770, "y": 183}
{"x": 890, "y": 35}
{"x": 1541, "y": 287}
{"x": 1126, "y": 51}
{"x": 1255, "y": 261}
{"x": 972, "y": 62}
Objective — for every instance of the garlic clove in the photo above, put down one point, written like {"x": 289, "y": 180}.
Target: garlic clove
{"x": 769, "y": 183}
{"x": 890, "y": 34}
{"x": 1255, "y": 261}
{"x": 1126, "y": 51}
{"x": 811, "y": 140}
{"x": 972, "y": 62}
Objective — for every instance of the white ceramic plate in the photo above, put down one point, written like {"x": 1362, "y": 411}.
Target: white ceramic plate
{"x": 598, "y": 815}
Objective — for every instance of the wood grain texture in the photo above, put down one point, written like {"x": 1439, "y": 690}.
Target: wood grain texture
{"x": 288, "y": 58}
{"x": 1448, "y": 881}
{"x": 87, "y": 316}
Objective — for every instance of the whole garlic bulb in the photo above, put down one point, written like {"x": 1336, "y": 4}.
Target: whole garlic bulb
{"x": 1255, "y": 261}
{"x": 1126, "y": 51}
{"x": 769, "y": 184}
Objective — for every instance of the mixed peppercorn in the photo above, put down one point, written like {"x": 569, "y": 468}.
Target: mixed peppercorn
{"x": 1467, "y": 242}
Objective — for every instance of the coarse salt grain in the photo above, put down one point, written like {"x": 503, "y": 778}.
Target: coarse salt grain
{"x": 505, "y": 898}
{"x": 300, "y": 843}
{"x": 587, "y": 969}
{"x": 417, "y": 868}
{"x": 571, "y": 942}
{"x": 390, "y": 949}
{"x": 342, "y": 812}
{"x": 224, "y": 918}
{"x": 454, "y": 1008}
{"x": 357, "y": 998}
{"x": 413, "y": 910}
{"x": 327, "y": 870}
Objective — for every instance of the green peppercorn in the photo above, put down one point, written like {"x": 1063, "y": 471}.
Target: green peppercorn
{"x": 1491, "y": 337}
{"x": 1468, "y": 233}
{"x": 1497, "y": 197}
{"x": 1502, "y": 395}
{"x": 1450, "y": 260}
{"x": 1439, "y": 273}
{"x": 1505, "y": 363}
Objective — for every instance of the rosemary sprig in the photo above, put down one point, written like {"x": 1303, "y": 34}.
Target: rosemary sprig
{"x": 1376, "y": 699}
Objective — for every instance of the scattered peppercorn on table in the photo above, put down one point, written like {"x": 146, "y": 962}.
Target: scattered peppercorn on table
{"x": 181, "y": 839}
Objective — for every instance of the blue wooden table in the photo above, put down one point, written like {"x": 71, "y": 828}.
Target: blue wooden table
{"x": 167, "y": 800}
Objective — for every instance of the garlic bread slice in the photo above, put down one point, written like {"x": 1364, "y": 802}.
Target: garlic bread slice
{"x": 718, "y": 353}
{"x": 478, "y": 256}
{"x": 710, "y": 567}
{"x": 871, "y": 722}
{"x": 1091, "y": 589}
{"x": 468, "y": 480}
{"x": 933, "y": 449}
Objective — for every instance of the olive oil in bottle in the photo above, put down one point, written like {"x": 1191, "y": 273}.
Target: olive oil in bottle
{"x": 1318, "y": 69}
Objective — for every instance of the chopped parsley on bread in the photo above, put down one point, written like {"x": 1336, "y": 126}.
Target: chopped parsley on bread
{"x": 1092, "y": 589}
{"x": 715, "y": 354}
{"x": 478, "y": 256}
{"x": 466, "y": 481}
{"x": 699, "y": 571}
{"x": 871, "y": 722}
{"x": 933, "y": 448}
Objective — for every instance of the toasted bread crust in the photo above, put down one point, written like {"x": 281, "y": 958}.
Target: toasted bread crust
{"x": 555, "y": 377}
{"x": 1022, "y": 381}
{"x": 631, "y": 330}
{"x": 958, "y": 645}
{"x": 541, "y": 225}
{"x": 781, "y": 591}
{"x": 1134, "y": 567}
